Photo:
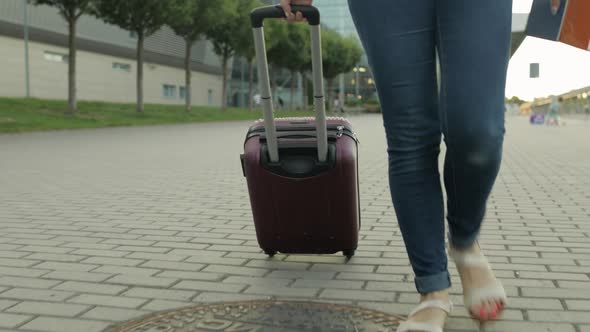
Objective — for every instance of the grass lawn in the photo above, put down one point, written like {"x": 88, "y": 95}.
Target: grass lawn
{"x": 20, "y": 115}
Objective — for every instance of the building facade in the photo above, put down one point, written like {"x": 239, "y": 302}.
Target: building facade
{"x": 106, "y": 60}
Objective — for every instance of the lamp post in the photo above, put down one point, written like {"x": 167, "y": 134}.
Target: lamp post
{"x": 26, "y": 38}
{"x": 357, "y": 70}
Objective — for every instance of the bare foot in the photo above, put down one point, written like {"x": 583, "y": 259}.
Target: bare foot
{"x": 473, "y": 277}
{"x": 431, "y": 316}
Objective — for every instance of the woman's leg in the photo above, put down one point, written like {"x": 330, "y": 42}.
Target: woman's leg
{"x": 474, "y": 45}
{"x": 399, "y": 39}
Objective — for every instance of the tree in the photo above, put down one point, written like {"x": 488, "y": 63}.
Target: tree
{"x": 291, "y": 50}
{"x": 516, "y": 100}
{"x": 225, "y": 39}
{"x": 276, "y": 33}
{"x": 70, "y": 10}
{"x": 143, "y": 17}
{"x": 191, "y": 19}
{"x": 340, "y": 55}
{"x": 245, "y": 45}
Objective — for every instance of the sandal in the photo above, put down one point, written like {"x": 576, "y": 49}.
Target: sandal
{"x": 479, "y": 295}
{"x": 426, "y": 327}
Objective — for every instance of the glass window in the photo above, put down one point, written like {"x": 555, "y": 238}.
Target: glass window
{"x": 182, "y": 92}
{"x": 534, "y": 70}
{"x": 169, "y": 91}
{"x": 121, "y": 66}
{"x": 132, "y": 34}
{"x": 56, "y": 57}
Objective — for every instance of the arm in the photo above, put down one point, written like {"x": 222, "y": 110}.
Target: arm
{"x": 555, "y": 4}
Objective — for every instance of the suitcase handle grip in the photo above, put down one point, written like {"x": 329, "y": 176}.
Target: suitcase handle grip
{"x": 258, "y": 15}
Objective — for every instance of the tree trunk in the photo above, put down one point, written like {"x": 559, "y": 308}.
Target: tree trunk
{"x": 304, "y": 93}
{"x": 224, "y": 82}
{"x": 72, "y": 100}
{"x": 292, "y": 90}
{"x": 140, "y": 41}
{"x": 187, "y": 68}
{"x": 251, "y": 84}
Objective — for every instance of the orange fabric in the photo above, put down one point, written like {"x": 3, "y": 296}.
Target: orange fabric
{"x": 576, "y": 25}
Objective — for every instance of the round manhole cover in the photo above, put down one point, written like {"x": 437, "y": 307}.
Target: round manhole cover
{"x": 264, "y": 316}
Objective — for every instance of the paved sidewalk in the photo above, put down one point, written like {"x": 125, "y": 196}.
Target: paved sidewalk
{"x": 104, "y": 225}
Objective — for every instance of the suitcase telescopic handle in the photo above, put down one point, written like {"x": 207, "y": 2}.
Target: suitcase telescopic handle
{"x": 312, "y": 15}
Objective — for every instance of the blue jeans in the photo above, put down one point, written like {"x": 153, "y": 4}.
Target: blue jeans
{"x": 472, "y": 38}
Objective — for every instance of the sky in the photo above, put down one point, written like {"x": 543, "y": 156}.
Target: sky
{"x": 562, "y": 68}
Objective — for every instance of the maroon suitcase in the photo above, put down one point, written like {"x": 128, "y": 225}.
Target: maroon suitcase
{"x": 302, "y": 173}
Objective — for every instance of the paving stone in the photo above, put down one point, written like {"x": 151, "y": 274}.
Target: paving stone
{"x": 141, "y": 280}
{"x": 59, "y": 266}
{"x": 4, "y": 304}
{"x": 153, "y": 293}
{"x": 113, "y": 261}
{"x": 12, "y": 320}
{"x": 208, "y": 286}
{"x": 54, "y": 324}
{"x": 577, "y": 305}
{"x": 559, "y": 316}
{"x": 113, "y": 269}
{"x": 191, "y": 275}
{"x": 78, "y": 276}
{"x": 48, "y": 308}
{"x": 35, "y": 294}
{"x": 88, "y": 287}
{"x": 278, "y": 291}
{"x": 21, "y": 272}
{"x": 237, "y": 270}
{"x": 27, "y": 282}
{"x": 277, "y": 265}
{"x": 322, "y": 283}
{"x": 358, "y": 294}
{"x": 162, "y": 305}
{"x": 301, "y": 274}
{"x": 17, "y": 262}
{"x": 56, "y": 257}
{"x": 106, "y": 300}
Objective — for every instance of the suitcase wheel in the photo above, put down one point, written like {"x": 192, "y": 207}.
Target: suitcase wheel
{"x": 348, "y": 253}
{"x": 270, "y": 253}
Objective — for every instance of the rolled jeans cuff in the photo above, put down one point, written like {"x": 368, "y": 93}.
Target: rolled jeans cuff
{"x": 433, "y": 283}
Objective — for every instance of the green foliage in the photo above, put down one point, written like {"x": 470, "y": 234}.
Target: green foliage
{"x": 245, "y": 41}
{"x": 290, "y": 46}
{"x": 190, "y": 19}
{"x": 141, "y": 16}
{"x": 340, "y": 54}
{"x": 516, "y": 100}
{"x": 71, "y": 10}
{"x": 223, "y": 32}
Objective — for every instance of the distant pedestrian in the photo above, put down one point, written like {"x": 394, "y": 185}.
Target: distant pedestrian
{"x": 281, "y": 103}
{"x": 553, "y": 114}
{"x": 257, "y": 99}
